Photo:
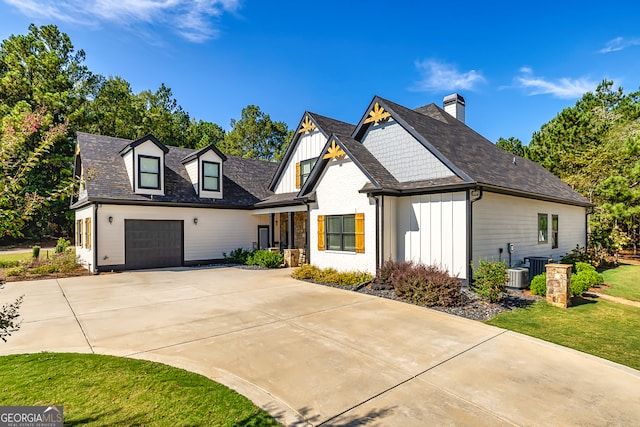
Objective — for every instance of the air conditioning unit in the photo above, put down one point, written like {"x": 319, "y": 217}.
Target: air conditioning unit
{"x": 518, "y": 278}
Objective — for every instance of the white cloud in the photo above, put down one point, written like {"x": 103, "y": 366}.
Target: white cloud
{"x": 439, "y": 76}
{"x": 560, "y": 88}
{"x": 193, "y": 20}
{"x": 619, "y": 43}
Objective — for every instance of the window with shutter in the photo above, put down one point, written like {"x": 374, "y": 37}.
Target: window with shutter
{"x": 321, "y": 232}
{"x": 360, "y": 233}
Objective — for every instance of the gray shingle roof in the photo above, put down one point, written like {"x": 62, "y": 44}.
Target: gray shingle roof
{"x": 332, "y": 126}
{"x": 282, "y": 199}
{"x": 244, "y": 180}
{"x": 479, "y": 159}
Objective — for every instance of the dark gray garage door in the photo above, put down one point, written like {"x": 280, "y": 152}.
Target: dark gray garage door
{"x": 151, "y": 244}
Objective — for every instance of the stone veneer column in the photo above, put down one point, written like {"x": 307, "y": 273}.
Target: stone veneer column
{"x": 559, "y": 284}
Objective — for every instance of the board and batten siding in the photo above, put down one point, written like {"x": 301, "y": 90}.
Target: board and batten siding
{"x": 401, "y": 154}
{"x": 308, "y": 147}
{"x": 432, "y": 229}
{"x": 85, "y": 255}
{"x": 217, "y": 231}
{"x": 500, "y": 219}
{"x": 337, "y": 194}
{"x": 389, "y": 229}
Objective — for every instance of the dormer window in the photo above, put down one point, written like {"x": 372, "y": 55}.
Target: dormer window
{"x": 210, "y": 176}
{"x": 149, "y": 172}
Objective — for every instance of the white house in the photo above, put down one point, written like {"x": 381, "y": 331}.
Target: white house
{"x": 402, "y": 184}
{"x": 142, "y": 204}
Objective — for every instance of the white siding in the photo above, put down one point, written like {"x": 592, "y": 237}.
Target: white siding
{"x": 500, "y": 219}
{"x": 148, "y": 148}
{"x": 217, "y": 231}
{"x": 308, "y": 146}
{"x": 128, "y": 164}
{"x": 337, "y": 194}
{"x": 192, "y": 171}
{"x": 85, "y": 255}
{"x": 403, "y": 155}
{"x": 210, "y": 156}
{"x": 389, "y": 228}
{"x": 431, "y": 229}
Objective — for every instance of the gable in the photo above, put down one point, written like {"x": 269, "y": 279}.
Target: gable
{"x": 402, "y": 154}
{"x": 308, "y": 146}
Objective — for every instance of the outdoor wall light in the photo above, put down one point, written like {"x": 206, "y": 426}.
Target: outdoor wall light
{"x": 195, "y": 221}
{"x": 110, "y": 219}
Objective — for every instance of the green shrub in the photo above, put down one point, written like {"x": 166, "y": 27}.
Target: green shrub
{"x": 490, "y": 280}
{"x": 237, "y": 256}
{"x": 35, "y": 252}
{"x": 265, "y": 258}
{"x": 47, "y": 268}
{"x": 306, "y": 272}
{"x": 15, "y": 271}
{"x": 331, "y": 276}
{"x": 585, "y": 279}
{"x": 425, "y": 285}
{"x": 582, "y": 255}
{"x": 62, "y": 245}
{"x": 66, "y": 262}
{"x": 539, "y": 285}
{"x": 583, "y": 266}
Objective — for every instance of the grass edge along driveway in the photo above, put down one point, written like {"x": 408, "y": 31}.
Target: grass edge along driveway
{"x": 600, "y": 328}
{"x": 106, "y": 390}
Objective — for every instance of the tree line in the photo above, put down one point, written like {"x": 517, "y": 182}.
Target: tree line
{"x": 594, "y": 146}
{"x": 47, "y": 94}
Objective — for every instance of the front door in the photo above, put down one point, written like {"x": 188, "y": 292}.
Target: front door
{"x": 263, "y": 237}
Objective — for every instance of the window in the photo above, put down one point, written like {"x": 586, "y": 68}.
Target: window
{"x": 210, "y": 176}
{"x": 149, "y": 172}
{"x": 79, "y": 233}
{"x": 87, "y": 227}
{"x": 341, "y": 233}
{"x": 543, "y": 228}
{"x": 554, "y": 231}
{"x": 305, "y": 170}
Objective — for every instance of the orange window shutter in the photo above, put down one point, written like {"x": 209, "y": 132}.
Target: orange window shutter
{"x": 321, "y": 232}
{"x": 360, "y": 233}
{"x": 298, "y": 175}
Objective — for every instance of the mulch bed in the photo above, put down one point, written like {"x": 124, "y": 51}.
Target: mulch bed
{"x": 471, "y": 305}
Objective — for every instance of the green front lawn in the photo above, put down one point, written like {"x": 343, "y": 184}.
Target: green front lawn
{"x": 601, "y": 328}
{"x": 105, "y": 390}
{"x": 624, "y": 281}
{"x": 14, "y": 257}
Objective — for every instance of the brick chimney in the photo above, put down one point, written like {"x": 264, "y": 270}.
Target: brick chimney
{"x": 454, "y": 105}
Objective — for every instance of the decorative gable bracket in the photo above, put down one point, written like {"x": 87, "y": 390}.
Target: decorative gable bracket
{"x": 377, "y": 114}
{"x": 334, "y": 152}
{"x": 306, "y": 125}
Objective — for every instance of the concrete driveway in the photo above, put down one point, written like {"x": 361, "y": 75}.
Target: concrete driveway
{"x": 315, "y": 355}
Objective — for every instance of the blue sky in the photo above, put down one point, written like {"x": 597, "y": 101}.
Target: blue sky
{"x": 517, "y": 64}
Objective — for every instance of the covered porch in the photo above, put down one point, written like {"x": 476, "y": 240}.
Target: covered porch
{"x": 287, "y": 231}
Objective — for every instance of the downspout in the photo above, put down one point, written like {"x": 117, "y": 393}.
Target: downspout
{"x": 379, "y": 237}
{"x": 470, "y": 203}
{"x": 94, "y": 244}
